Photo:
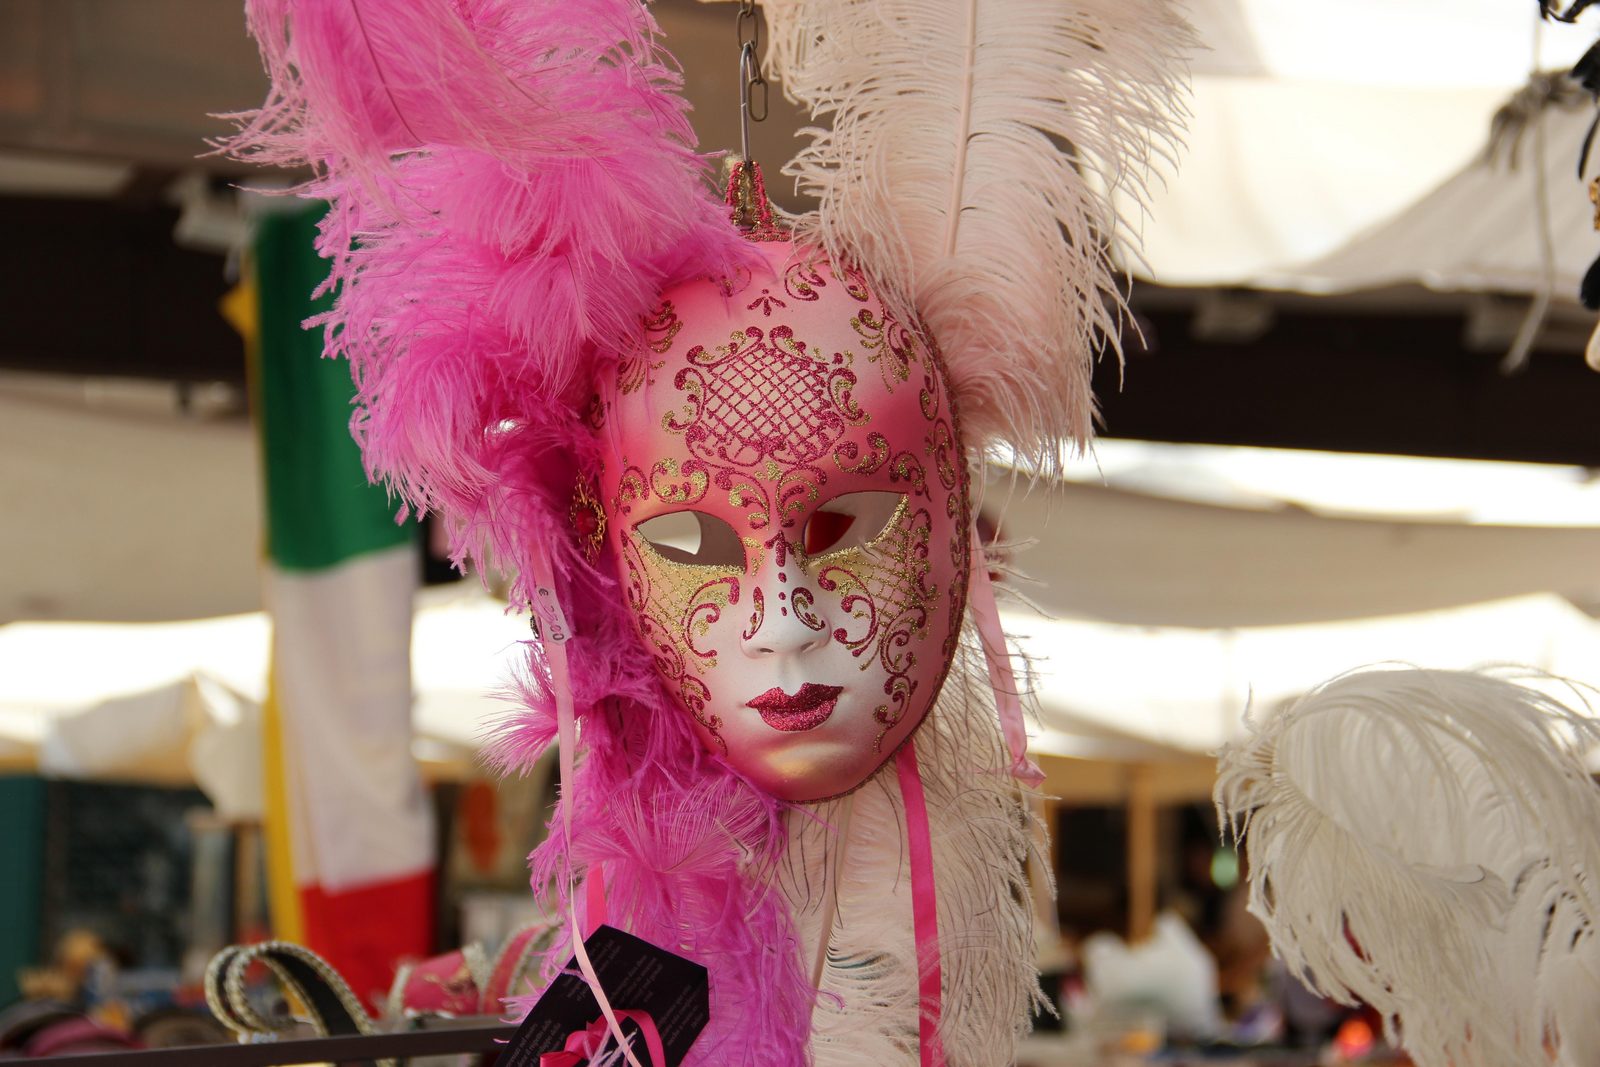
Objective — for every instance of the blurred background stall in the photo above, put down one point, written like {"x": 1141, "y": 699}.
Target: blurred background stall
{"x": 1354, "y": 424}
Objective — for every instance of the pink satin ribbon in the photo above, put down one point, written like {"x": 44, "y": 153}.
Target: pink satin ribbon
{"x": 594, "y": 896}
{"x": 986, "y": 613}
{"x": 567, "y": 744}
{"x": 924, "y": 908}
{"x": 584, "y": 1045}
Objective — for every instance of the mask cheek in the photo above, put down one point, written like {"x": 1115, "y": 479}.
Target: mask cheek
{"x": 905, "y": 594}
{"x": 684, "y": 615}
{"x": 713, "y": 603}
{"x": 847, "y": 588}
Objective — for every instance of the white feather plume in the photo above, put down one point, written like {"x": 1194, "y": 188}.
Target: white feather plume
{"x": 968, "y": 162}
{"x": 982, "y": 833}
{"x": 1428, "y": 842}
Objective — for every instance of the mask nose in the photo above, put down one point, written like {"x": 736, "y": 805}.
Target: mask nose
{"x": 784, "y": 616}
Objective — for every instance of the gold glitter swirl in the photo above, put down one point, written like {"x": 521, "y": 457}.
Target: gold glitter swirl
{"x": 907, "y": 468}
{"x": 747, "y": 496}
{"x": 646, "y": 574}
{"x": 736, "y": 284}
{"x": 662, "y": 327}
{"x": 856, "y": 603}
{"x": 692, "y": 386}
{"x": 796, "y": 489}
{"x": 802, "y": 280}
{"x": 804, "y": 603}
{"x": 739, "y": 341}
{"x": 942, "y": 446}
{"x": 841, "y": 390}
{"x": 694, "y": 594}
{"x": 631, "y": 488}
{"x": 755, "y": 554}
{"x": 855, "y": 283}
{"x": 758, "y": 613}
{"x": 848, "y": 455}
{"x": 899, "y": 690}
{"x": 706, "y": 605}
{"x": 666, "y": 484}
{"x": 694, "y": 695}
{"x": 784, "y": 340}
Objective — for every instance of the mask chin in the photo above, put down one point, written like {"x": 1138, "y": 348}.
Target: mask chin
{"x": 786, "y": 502}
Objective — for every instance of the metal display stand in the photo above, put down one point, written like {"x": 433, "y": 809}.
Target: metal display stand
{"x": 482, "y": 1035}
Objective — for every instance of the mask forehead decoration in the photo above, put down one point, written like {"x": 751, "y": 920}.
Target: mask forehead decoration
{"x": 786, "y": 501}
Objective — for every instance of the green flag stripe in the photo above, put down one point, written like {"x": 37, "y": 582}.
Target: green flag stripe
{"x": 320, "y": 508}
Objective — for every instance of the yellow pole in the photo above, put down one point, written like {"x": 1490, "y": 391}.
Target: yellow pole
{"x": 241, "y": 306}
{"x": 283, "y": 899}
{"x": 1141, "y": 852}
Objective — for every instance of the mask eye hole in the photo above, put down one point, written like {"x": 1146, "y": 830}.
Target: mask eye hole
{"x": 693, "y": 537}
{"x": 852, "y": 520}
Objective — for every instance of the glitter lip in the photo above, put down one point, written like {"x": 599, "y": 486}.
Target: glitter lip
{"x": 805, "y": 710}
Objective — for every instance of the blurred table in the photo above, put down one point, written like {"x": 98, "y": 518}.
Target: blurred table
{"x": 1046, "y": 1050}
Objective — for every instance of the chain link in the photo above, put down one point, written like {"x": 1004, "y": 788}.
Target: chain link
{"x": 750, "y": 73}
{"x": 752, "y": 85}
{"x": 747, "y": 25}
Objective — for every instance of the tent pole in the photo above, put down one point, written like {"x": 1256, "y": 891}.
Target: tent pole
{"x": 1043, "y": 863}
{"x": 1141, "y": 852}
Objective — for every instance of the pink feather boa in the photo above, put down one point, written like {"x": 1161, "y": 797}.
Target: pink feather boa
{"x": 511, "y": 184}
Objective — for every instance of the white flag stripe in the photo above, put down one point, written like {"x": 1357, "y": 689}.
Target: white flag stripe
{"x": 341, "y": 655}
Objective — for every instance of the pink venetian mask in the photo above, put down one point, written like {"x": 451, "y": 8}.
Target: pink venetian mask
{"x": 786, "y": 498}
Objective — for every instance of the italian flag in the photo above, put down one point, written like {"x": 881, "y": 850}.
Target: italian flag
{"x": 349, "y": 828}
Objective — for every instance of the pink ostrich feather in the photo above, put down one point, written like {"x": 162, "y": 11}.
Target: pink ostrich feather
{"x": 511, "y": 183}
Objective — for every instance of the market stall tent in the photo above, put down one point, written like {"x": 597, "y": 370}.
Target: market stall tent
{"x": 1189, "y": 690}
{"x": 1312, "y": 123}
{"x": 120, "y": 505}
{"x": 1160, "y": 571}
{"x": 1211, "y": 537}
{"x": 177, "y": 701}
{"x": 125, "y": 507}
{"x": 1514, "y": 219}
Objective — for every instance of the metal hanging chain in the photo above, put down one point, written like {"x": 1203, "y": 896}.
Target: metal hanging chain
{"x": 747, "y": 25}
{"x": 747, "y": 29}
{"x": 747, "y": 192}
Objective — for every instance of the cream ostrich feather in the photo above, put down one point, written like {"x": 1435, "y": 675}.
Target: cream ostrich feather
{"x": 1428, "y": 842}
{"x": 966, "y": 156}
{"x": 854, "y": 889}
{"x": 972, "y": 152}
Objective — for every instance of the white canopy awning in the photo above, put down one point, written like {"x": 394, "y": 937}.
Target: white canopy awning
{"x": 1228, "y": 537}
{"x": 1203, "y": 568}
{"x": 1482, "y": 229}
{"x": 116, "y": 506}
{"x": 1187, "y": 689}
{"x": 1313, "y": 123}
{"x": 180, "y": 701}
